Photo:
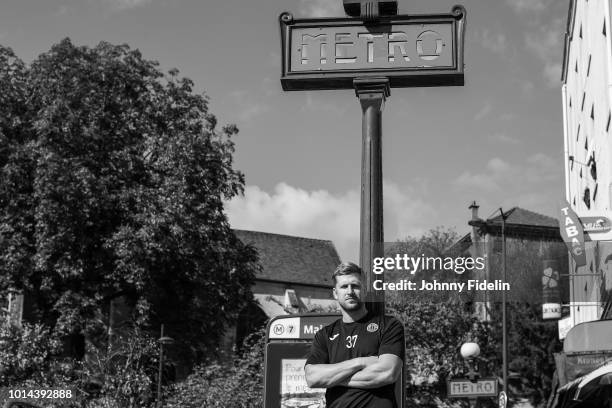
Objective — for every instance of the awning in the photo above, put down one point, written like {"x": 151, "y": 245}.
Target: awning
{"x": 274, "y": 306}
{"x": 589, "y": 337}
{"x": 593, "y": 390}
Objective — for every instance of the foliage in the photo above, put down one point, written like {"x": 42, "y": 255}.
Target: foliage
{"x": 235, "y": 385}
{"x": 434, "y": 334}
{"x": 125, "y": 373}
{"x": 30, "y": 357}
{"x": 436, "y": 326}
{"x": 26, "y": 353}
{"x": 112, "y": 181}
{"x": 435, "y": 243}
{"x": 531, "y": 344}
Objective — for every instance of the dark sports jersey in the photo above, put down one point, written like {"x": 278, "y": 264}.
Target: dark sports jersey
{"x": 369, "y": 336}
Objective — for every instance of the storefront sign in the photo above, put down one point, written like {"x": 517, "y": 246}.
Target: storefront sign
{"x": 564, "y": 326}
{"x": 596, "y": 225}
{"x": 572, "y": 233}
{"x": 581, "y": 364}
{"x": 551, "y": 296}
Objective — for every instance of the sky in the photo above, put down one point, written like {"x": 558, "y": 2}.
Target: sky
{"x": 497, "y": 140}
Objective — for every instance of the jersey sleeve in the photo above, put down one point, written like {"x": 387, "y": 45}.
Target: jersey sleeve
{"x": 392, "y": 341}
{"x": 318, "y": 351}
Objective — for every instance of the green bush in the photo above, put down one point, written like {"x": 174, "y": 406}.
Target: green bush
{"x": 238, "y": 384}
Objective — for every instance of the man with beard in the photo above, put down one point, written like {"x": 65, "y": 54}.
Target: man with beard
{"x": 359, "y": 357}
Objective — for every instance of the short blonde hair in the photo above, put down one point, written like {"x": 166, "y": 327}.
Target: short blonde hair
{"x": 346, "y": 268}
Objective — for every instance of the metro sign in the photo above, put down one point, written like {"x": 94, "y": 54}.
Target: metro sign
{"x": 328, "y": 53}
{"x": 464, "y": 388}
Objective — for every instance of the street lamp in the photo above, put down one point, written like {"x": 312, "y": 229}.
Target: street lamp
{"x": 469, "y": 352}
{"x": 162, "y": 340}
{"x": 504, "y": 306}
{"x": 479, "y": 223}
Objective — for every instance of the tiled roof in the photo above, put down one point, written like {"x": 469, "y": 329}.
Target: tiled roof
{"x": 293, "y": 259}
{"x": 519, "y": 216}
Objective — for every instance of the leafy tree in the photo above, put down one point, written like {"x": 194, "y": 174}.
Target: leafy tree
{"x": 437, "y": 325}
{"x": 235, "y": 385}
{"x": 435, "y": 243}
{"x": 122, "y": 376}
{"x": 112, "y": 181}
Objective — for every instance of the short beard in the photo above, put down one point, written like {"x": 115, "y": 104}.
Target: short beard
{"x": 351, "y": 308}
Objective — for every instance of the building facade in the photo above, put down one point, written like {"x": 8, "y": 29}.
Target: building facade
{"x": 587, "y": 112}
{"x": 533, "y": 245}
{"x": 586, "y": 93}
{"x": 295, "y": 277}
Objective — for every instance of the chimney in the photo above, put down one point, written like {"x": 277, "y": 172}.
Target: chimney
{"x": 474, "y": 207}
{"x": 476, "y": 223}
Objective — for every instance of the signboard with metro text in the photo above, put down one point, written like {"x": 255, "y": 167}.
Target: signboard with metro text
{"x": 410, "y": 50}
{"x": 464, "y": 388}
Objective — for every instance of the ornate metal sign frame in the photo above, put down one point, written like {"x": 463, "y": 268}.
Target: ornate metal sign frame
{"x": 415, "y": 75}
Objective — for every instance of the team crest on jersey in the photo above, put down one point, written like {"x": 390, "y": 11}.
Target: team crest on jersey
{"x": 372, "y": 327}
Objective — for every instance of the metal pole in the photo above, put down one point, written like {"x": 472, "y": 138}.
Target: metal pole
{"x": 504, "y": 312}
{"x": 372, "y": 93}
{"x": 159, "y": 372}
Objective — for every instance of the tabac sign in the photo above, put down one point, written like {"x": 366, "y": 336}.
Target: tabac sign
{"x": 410, "y": 50}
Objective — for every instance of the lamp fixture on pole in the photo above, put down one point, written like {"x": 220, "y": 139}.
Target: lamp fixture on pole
{"x": 370, "y": 9}
{"x": 504, "y": 306}
{"x": 162, "y": 340}
{"x": 470, "y": 351}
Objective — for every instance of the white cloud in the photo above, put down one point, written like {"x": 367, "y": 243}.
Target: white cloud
{"x": 317, "y": 102}
{"x": 127, "y": 4}
{"x": 526, "y": 87}
{"x": 247, "y": 108}
{"x": 483, "y": 112}
{"x": 548, "y": 40}
{"x": 547, "y": 45}
{"x": 552, "y": 74}
{"x": 321, "y": 8}
{"x": 504, "y": 138}
{"x": 498, "y": 175}
{"x": 322, "y": 215}
{"x": 529, "y": 6}
{"x": 470, "y": 181}
{"x": 494, "y": 42}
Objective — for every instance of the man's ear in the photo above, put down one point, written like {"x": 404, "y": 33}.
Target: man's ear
{"x": 335, "y": 293}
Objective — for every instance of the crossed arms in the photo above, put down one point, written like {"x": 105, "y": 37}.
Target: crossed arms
{"x": 360, "y": 372}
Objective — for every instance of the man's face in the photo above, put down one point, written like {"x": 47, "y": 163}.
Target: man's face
{"x": 348, "y": 291}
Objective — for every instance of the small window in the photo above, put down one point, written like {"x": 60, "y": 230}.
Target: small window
{"x": 604, "y": 29}
{"x": 497, "y": 245}
{"x": 574, "y": 201}
{"x": 608, "y": 124}
{"x": 580, "y": 175}
{"x": 570, "y": 102}
{"x": 593, "y": 167}
{"x": 586, "y": 144}
{"x": 593, "y": 111}
{"x": 589, "y": 66}
{"x": 595, "y": 193}
{"x": 291, "y": 299}
{"x": 578, "y": 133}
{"x": 583, "y": 98}
{"x": 580, "y": 34}
{"x": 587, "y": 198}
{"x": 576, "y": 66}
